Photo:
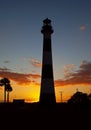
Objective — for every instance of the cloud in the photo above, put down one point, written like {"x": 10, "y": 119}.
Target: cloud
{"x": 7, "y": 61}
{"x": 20, "y": 78}
{"x": 81, "y": 76}
{"x": 4, "y": 69}
{"x": 35, "y": 63}
{"x": 68, "y": 69}
{"x": 83, "y": 27}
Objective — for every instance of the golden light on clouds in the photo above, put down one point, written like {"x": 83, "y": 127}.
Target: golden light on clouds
{"x": 27, "y": 86}
{"x": 35, "y": 63}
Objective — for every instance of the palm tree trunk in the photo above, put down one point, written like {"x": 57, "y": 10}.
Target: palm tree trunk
{"x": 8, "y": 96}
{"x": 4, "y": 94}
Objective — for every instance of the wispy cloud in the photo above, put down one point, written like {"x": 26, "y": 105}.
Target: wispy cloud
{"x": 83, "y": 27}
{"x": 68, "y": 69}
{"x": 35, "y": 62}
{"x": 81, "y": 76}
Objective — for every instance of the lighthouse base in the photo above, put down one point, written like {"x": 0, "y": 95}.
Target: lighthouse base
{"x": 47, "y": 99}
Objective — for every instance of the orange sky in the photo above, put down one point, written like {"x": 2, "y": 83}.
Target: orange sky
{"x": 27, "y": 86}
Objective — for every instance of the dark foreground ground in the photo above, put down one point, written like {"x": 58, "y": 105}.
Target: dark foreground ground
{"x": 33, "y": 116}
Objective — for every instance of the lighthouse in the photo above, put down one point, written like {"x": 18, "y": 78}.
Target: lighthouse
{"x": 47, "y": 91}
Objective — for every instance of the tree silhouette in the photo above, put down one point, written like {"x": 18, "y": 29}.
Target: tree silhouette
{"x": 89, "y": 96}
{"x": 4, "y": 82}
{"x": 8, "y": 90}
{"x": 79, "y": 98}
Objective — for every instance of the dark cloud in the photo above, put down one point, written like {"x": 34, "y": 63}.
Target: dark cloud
{"x": 4, "y": 69}
{"x": 81, "y": 76}
{"x": 7, "y": 61}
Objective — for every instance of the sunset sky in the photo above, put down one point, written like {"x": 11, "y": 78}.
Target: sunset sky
{"x": 21, "y": 44}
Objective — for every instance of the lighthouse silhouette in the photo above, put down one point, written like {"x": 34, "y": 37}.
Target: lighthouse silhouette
{"x": 47, "y": 91}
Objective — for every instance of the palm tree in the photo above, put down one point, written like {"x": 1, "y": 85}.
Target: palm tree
{"x": 8, "y": 89}
{"x": 4, "y": 82}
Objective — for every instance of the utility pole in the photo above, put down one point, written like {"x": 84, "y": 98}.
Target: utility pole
{"x": 61, "y": 96}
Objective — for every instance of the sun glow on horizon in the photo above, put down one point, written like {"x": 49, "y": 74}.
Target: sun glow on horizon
{"x": 31, "y": 92}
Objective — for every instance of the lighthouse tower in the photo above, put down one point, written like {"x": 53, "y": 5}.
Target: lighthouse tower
{"x": 47, "y": 91}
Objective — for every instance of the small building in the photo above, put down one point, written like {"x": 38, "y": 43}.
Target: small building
{"x": 18, "y": 101}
